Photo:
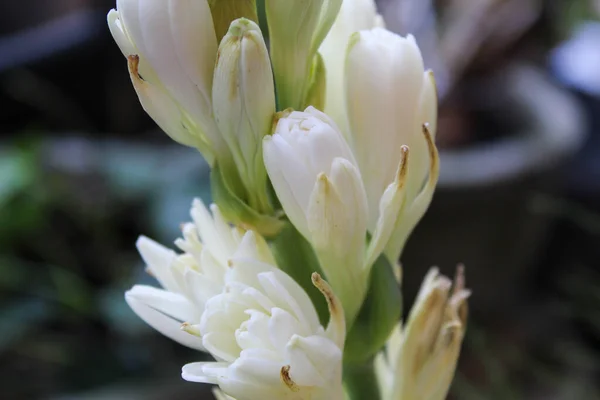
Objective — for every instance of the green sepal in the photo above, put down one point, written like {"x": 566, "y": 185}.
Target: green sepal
{"x": 236, "y": 211}
{"x": 379, "y": 314}
{"x": 224, "y": 12}
{"x": 316, "y": 89}
{"x": 295, "y": 256}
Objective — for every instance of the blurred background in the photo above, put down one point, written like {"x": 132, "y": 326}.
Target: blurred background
{"x": 83, "y": 172}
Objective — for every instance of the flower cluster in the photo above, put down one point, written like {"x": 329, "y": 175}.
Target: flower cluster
{"x": 320, "y": 140}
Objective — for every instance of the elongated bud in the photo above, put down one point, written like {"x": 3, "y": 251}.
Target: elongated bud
{"x": 386, "y": 71}
{"x": 296, "y": 30}
{"x": 244, "y": 104}
{"x": 171, "y": 48}
{"x": 319, "y": 186}
{"x": 354, "y": 16}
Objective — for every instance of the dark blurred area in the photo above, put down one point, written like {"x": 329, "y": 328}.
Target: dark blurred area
{"x": 84, "y": 171}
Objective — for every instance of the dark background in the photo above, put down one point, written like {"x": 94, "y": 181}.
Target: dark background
{"x": 84, "y": 171}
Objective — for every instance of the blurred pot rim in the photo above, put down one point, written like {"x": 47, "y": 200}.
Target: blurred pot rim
{"x": 556, "y": 130}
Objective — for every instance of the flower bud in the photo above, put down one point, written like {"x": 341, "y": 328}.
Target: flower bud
{"x": 296, "y": 30}
{"x": 171, "y": 48}
{"x": 244, "y": 104}
{"x": 320, "y": 189}
{"x": 354, "y": 15}
{"x": 420, "y": 359}
{"x": 391, "y": 100}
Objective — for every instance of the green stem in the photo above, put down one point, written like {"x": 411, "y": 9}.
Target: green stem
{"x": 360, "y": 381}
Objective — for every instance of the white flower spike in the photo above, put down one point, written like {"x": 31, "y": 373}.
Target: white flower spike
{"x": 317, "y": 181}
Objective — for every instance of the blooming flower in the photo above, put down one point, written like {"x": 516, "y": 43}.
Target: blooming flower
{"x": 420, "y": 359}
{"x": 191, "y": 278}
{"x": 265, "y": 334}
{"x": 225, "y": 295}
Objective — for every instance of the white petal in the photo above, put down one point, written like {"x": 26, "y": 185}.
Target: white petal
{"x": 278, "y": 154}
{"x": 254, "y": 246}
{"x": 194, "y": 372}
{"x": 337, "y": 222}
{"x": 282, "y": 326}
{"x": 161, "y": 49}
{"x": 353, "y": 16}
{"x": 288, "y": 295}
{"x": 159, "y": 259}
{"x": 164, "y": 324}
{"x": 382, "y": 100}
{"x": 171, "y": 304}
{"x": 391, "y": 205}
{"x": 119, "y": 35}
{"x": 315, "y": 360}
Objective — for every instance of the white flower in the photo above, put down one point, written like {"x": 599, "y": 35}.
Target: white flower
{"x": 191, "y": 278}
{"x": 244, "y": 103}
{"x": 420, "y": 359}
{"x": 266, "y": 336}
{"x": 316, "y": 179}
{"x": 171, "y": 49}
{"x": 354, "y": 15}
{"x": 391, "y": 101}
{"x": 225, "y": 295}
{"x": 296, "y": 30}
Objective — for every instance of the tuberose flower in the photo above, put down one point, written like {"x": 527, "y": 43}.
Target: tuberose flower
{"x": 420, "y": 358}
{"x": 225, "y": 295}
{"x": 354, "y": 16}
{"x": 296, "y": 30}
{"x": 391, "y": 102}
{"x": 244, "y": 103}
{"x": 317, "y": 181}
{"x": 191, "y": 278}
{"x": 171, "y": 49}
{"x": 266, "y": 336}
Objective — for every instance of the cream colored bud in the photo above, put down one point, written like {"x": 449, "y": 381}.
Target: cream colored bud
{"x": 175, "y": 47}
{"x": 391, "y": 100}
{"x": 319, "y": 186}
{"x": 296, "y": 30}
{"x": 244, "y": 104}
{"x": 354, "y": 16}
